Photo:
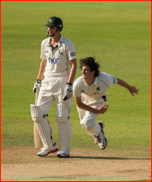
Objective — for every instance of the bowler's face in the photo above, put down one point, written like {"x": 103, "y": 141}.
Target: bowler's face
{"x": 86, "y": 72}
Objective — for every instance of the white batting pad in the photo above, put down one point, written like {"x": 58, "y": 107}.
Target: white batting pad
{"x": 36, "y": 113}
{"x": 64, "y": 131}
{"x": 61, "y": 113}
{"x": 43, "y": 126}
{"x": 44, "y": 130}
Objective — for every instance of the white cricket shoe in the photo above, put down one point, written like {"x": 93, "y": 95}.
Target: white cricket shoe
{"x": 62, "y": 154}
{"x": 103, "y": 145}
{"x": 45, "y": 151}
{"x": 101, "y": 123}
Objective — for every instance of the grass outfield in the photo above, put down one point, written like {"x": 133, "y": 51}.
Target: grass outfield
{"x": 118, "y": 34}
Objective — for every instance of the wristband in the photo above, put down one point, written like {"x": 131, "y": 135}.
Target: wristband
{"x": 38, "y": 80}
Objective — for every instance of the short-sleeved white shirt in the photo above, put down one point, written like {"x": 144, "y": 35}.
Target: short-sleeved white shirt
{"x": 58, "y": 59}
{"x": 95, "y": 93}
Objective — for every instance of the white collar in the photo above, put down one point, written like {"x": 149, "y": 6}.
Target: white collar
{"x": 59, "y": 43}
{"x": 94, "y": 83}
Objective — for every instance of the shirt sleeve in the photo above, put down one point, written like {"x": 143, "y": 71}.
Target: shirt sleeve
{"x": 76, "y": 89}
{"x": 71, "y": 51}
{"x": 109, "y": 80}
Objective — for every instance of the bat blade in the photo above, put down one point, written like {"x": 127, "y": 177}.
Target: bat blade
{"x": 36, "y": 138}
{"x": 36, "y": 134}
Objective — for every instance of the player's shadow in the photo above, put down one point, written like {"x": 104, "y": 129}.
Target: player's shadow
{"x": 108, "y": 158}
{"x": 99, "y": 157}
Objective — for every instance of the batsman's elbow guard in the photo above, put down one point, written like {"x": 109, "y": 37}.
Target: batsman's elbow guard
{"x": 68, "y": 92}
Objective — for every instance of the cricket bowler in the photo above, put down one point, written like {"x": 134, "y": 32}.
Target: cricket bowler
{"x": 90, "y": 97}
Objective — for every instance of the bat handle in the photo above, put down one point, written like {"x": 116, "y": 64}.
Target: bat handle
{"x": 36, "y": 96}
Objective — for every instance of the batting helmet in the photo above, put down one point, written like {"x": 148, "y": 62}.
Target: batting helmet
{"x": 55, "y": 21}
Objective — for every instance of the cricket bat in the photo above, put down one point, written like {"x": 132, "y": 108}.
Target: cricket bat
{"x": 36, "y": 134}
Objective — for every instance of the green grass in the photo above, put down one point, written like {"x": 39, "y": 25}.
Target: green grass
{"x": 118, "y": 34}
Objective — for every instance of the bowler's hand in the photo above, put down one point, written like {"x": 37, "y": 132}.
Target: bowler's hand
{"x": 103, "y": 109}
{"x": 133, "y": 90}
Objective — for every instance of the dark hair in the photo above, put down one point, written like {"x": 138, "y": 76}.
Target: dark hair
{"x": 90, "y": 61}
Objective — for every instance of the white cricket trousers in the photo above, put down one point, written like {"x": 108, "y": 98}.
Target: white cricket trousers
{"x": 51, "y": 91}
{"x": 88, "y": 120}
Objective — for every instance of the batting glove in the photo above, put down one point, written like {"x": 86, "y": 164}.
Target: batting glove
{"x": 68, "y": 91}
{"x": 37, "y": 85}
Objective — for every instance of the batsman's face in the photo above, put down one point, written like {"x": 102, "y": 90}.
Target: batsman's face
{"x": 87, "y": 74}
{"x": 52, "y": 30}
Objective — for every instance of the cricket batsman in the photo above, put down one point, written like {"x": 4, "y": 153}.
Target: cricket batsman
{"x": 90, "y": 97}
{"x": 55, "y": 80}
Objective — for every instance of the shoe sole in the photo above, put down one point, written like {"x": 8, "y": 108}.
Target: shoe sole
{"x": 105, "y": 144}
{"x": 61, "y": 156}
{"x": 52, "y": 151}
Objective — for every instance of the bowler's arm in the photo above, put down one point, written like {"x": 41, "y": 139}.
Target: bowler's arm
{"x": 83, "y": 106}
{"x": 131, "y": 89}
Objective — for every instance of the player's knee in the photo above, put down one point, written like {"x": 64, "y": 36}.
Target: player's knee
{"x": 88, "y": 126}
{"x": 36, "y": 113}
{"x": 62, "y": 114}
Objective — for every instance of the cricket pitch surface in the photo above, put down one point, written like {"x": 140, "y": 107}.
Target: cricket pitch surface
{"x": 22, "y": 164}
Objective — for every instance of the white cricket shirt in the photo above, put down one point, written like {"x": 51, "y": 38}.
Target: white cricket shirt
{"x": 58, "y": 59}
{"x": 95, "y": 93}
